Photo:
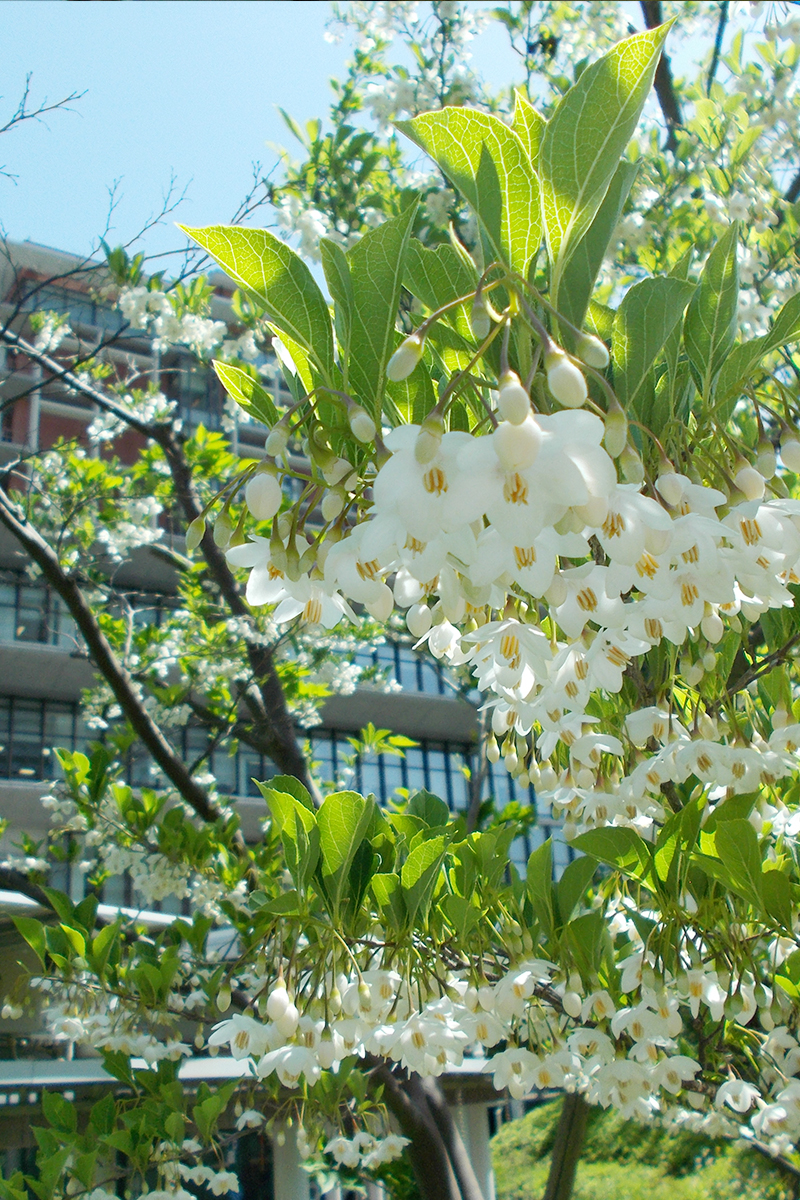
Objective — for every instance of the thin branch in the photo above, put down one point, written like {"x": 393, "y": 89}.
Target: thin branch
{"x": 449, "y": 1133}
{"x": 715, "y": 57}
{"x": 663, "y": 83}
{"x": 104, "y": 658}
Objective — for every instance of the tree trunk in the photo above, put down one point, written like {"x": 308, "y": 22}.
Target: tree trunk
{"x": 567, "y": 1149}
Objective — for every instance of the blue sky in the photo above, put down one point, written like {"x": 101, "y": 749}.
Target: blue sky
{"x": 188, "y": 87}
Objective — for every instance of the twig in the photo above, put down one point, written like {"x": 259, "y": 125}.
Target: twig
{"x": 715, "y": 57}
{"x": 663, "y": 83}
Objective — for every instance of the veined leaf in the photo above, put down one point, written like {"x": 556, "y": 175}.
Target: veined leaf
{"x": 438, "y": 276}
{"x": 580, "y": 273}
{"x": 300, "y": 835}
{"x": 586, "y": 137}
{"x": 340, "y": 286}
{"x": 529, "y": 125}
{"x": 343, "y": 820}
{"x": 710, "y": 325}
{"x": 776, "y": 891}
{"x": 271, "y": 271}
{"x": 247, "y": 392}
{"x": 736, "y": 844}
{"x": 647, "y": 315}
{"x": 388, "y": 894}
{"x": 539, "y": 882}
{"x": 419, "y": 874}
{"x": 572, "y": 885}
{"x": 620, "y": 847}
{"x": 742, "y": 360}
{"x": 376, "y": 274}
{"x": 488, "y": 163}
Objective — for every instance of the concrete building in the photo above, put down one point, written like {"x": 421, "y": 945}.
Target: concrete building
{"x": 42, "y": 673}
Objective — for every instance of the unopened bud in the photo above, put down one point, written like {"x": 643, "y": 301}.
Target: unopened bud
{"x": 480, "y": 320}
{"x": 224, "y": 998}
{"x": 592, "y": 351}
{"x": 277, "y": 1002}
{"x": 513, "y": 402}
{"x": 335, "y": 470}
{"x": 492, "y": 749}
{"x": 277, "y": 440}
{"x": 380, "y": 606}
{"x": 712, "y": 627}
{"x": 418, "y": 620}
{"x": 194, "y": 534}
{"x": 790, "y": 454}
{"x": 631, "y": 464}
{"x": 616, "y": 435}
{"x": 429, "y": 439}
{"x": 223, "y": 528}
{"x": 670, "y": 487}
{"x": 564, "y": 379}
{"x": 750, "y": 482}
{"x": 263, "y": 495}
{"x": 405, "y": 358}
{"x": 332, "y": 504}
{"x": 361, "y": 423}
{"x": 765, "y": 459}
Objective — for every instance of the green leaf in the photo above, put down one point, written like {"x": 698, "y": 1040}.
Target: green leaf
{"x": 361, "y": 870}
{"x": 776, "y": 891}
{"x": 439, "y": 276}
{"x": 586, "y": 936}
{"x": 59, "y": 1112}
{"x": 340, "y": 286}
{"x": 710, "y": 326}
{"x": 376, "y": 264}
{"x": 429, "y": 808}
{"x": 736, "y": 844}
{"x": 293, "y": 787}
{"x": 461, "y": 913}
{"x": 33, "y": 932}
{"x": 580, "y": 273}
{"x": 247, "y": 392}
{"x": 572, "y": 885}
{"x": 620, "y": 847}
{"x": 388, "y": 893}
{"x": 489, "y": 165}
{"x": 742, "y": 361}
{"x": 299, "y": 832}
{"x": 539, "y": 882}
{"x": 529, "y": 126}
{"x": 647, "y": 315}
{"x": 271, "y": 271}
{"x": 343, "y": 820}
{"x": 586, "y": 137}
{"x": 419, "y": 875}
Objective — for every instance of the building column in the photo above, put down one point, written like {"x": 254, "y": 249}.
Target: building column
{"x": 473, "y": 1125}
{"x": 34, "y": 409}
{"x": 291, "y": 1181}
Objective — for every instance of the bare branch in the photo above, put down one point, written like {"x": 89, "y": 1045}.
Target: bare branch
{"x": 663, "y": 83}
{"x": 715, "y": 57}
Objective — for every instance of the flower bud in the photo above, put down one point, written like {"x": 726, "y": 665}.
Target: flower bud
{"x": 565, "y": 380}
{"x": 712, "y": 627}
{"x": 332, "y": 504}
{"x": 224, "y": 998}
{"x": 263, "y": 495}
{"x": 790, "y": 454}
{"x": 479, "y": 319}
{"x": 382, "y": 605}
{"x": 223, "y": 528}
{"x": 572, "y": 1004}
{"x": 517, "y": 446}
{"x": 750, "y": 482}
{"x": 194, "y": 534}
{"x": 405, "y": 358}
{"x": 278, "y": 1002}
{"x": 492, "y": 749}
{"x": 513, "y": 402}
{"x": 709, "y": 661}
{"x": 631, "y": 464}
{"x": 335, "y": 470}
{"x": 765, "y": 459}
{"x": 361, "y": 423}
{"x": 616, "y": 435}
{"x": 287, "y": 1023}
{"x": 418, "y": 620}
{"x": 670, "y": 486}
{"x": 277, "y": 439}
{"x": 429, "y": 438}
{"x": 592, "y": 351}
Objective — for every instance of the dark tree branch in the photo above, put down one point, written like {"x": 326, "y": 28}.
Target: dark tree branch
{"x": 427, "y": 1154}
{"x": 715, "y": 57}
{"x": 266, "y": 702}
{"x": 430, "y": 1090}
{"x": 570, "y": 1133}
{"x": 663, "y": 83}
{"x": 104, "y": 658}
{"x": 17, "y": 881}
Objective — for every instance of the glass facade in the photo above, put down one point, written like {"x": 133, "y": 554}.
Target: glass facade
{"x": 32, "y": 613}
